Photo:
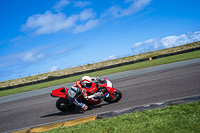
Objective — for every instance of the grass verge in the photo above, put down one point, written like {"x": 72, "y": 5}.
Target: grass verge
{"x": 165, "y": 60}
{"x": 184, "y": 118}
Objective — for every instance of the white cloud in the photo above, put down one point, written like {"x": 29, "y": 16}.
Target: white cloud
{"x": 21, "y": 59}
{"x": 26, "y": 61}
{"x": 30, "y": 57}
{"x": 49, "y": 23}
{"x": 18, "y": 38}
{"x": 166, "y": 42}
{"x": 137, "y": 5}
{"x": 54, "y": 68}
{"x": 87, "y": 26}
{"x": 87, "y": 14}
{"x": 112, "y": 57}
{"x": 81, "y": 4}
{"x": 134, "y": 6}
{"x": 171, "y": 41}
{"x": 61, "y": 4}
{"x": 146, "y": 46}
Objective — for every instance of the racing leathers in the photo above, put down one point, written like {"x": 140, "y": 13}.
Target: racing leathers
{"x": 74, "y": 92}
{"x": 78, "y": 89}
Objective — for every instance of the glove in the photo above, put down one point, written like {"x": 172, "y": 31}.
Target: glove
{"x": 98, "y": 94}
{"x": 107, "y": 95}
{"x": 95, "y": 78}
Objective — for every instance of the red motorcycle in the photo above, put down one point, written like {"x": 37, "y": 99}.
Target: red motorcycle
{"x": 108, "y": 94}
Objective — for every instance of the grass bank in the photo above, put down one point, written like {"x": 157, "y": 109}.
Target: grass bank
{"x": 183, "y": 118}
{"x": 165, "y": 60}
{"x": 87, "y": 67}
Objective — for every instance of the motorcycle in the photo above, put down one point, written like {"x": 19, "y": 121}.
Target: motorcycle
{"x": 108, "y": 94}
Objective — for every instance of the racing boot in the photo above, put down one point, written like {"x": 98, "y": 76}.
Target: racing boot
{"x": 84, "y": 107}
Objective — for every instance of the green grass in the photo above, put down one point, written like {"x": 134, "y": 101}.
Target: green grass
{"x": 183, "y": 118}
{"x": 165, "y": 60}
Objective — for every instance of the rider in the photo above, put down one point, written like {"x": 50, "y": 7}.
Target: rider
{"x": 79, "y": 88}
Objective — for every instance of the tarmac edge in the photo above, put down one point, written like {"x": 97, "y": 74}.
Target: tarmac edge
{"x": 47, "y": 127}
{"x": 151, "y": 106}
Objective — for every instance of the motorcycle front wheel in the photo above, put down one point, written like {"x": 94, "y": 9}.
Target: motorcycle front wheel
{"x": 64, "y": 105}
{"x": 116, "y": 97}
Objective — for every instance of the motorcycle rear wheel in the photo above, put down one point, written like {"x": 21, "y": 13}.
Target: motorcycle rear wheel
{"x": 116, "y": 97}
{"x": 64, "y": 105}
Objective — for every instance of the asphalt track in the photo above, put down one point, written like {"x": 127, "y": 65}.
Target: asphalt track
{"x": 148, "y": 85}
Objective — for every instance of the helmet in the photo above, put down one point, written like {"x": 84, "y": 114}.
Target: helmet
{"x": 86, "y": 81}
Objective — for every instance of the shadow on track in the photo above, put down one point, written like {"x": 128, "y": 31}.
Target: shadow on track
{"x": 62, "y": 113}
{"x": 73, "y": 112}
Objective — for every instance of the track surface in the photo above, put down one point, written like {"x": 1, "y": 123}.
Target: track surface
{"x": 140, "y": 89}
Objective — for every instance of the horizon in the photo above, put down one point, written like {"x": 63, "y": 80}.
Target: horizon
{"x": 94, "y": 63}
{"x": 43, "y": 36}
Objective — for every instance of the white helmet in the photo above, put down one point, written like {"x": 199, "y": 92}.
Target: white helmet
{"x": 86, "y": 81}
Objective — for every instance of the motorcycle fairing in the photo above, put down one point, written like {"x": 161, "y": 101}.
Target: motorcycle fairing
{"x": 92, "y": 89}
{"x": 111, "y": 91}
{"x": 60, "y": 92}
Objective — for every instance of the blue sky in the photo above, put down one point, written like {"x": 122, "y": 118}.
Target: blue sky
{"x": 38, "y": 36}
